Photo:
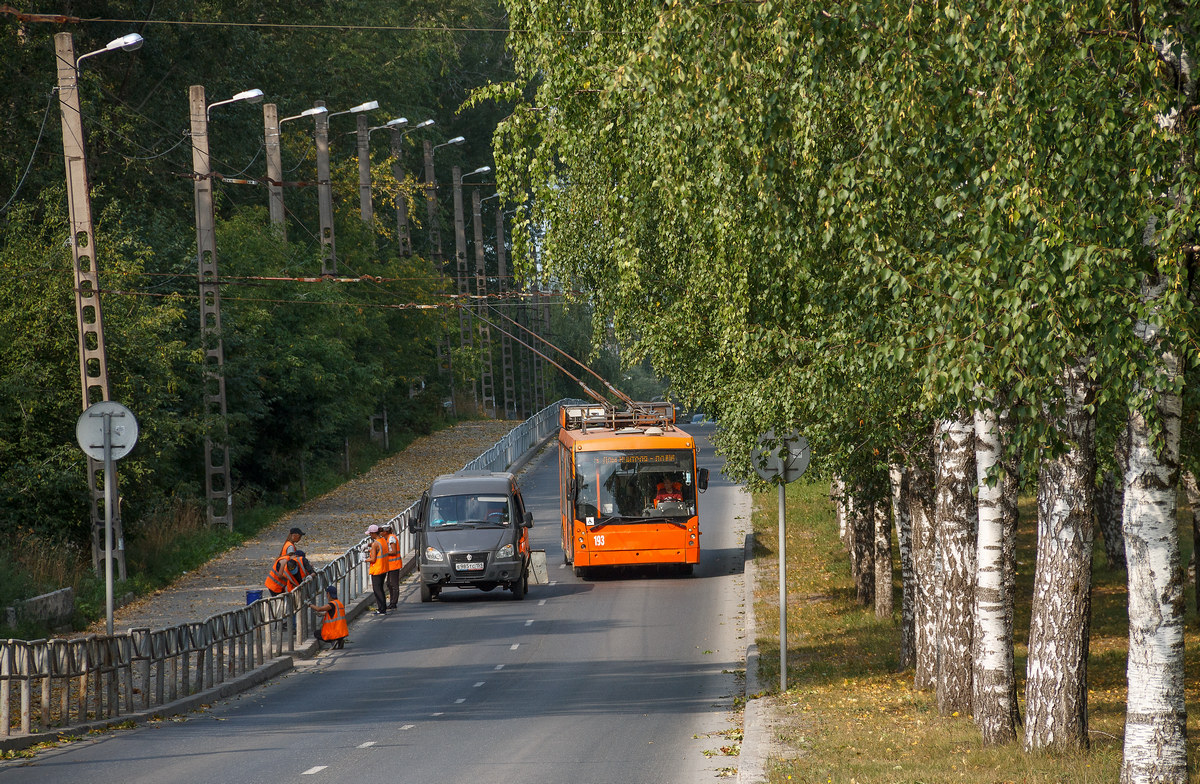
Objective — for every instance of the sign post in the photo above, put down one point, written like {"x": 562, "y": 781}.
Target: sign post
{"x": 781, "y": 460}
{"x": 107, "y": 431}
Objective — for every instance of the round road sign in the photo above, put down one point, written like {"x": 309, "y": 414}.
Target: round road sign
{"x": 122, "y": 430}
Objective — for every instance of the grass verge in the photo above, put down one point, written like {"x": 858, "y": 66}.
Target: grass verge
{"x": 849, "y": 714}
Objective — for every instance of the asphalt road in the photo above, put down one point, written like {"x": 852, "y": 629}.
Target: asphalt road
{"x": 624, "y": 678}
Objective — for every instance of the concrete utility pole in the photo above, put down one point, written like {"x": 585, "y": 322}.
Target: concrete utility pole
{"x": 461, "y": 276}
{"x": 435, "y": 231}
{"x": 403, "y": 236}
{"x": 218, "y": 485}
{"x": 366, "y": 210}
{"x": 506, "y": 347}
{"x": 486, "y": 381}
{"x": 89, "y": 317}
{"x": 274, "y": 169}
{"x": 325, "y": 194}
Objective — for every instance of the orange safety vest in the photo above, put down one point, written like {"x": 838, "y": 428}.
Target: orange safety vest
{"x": 378, "y": 558}
{"x": 286, "y": 573}
{"x": 334, "y": 627}
{"x": 393, "y": 552}
{"x": 289, "y": 548}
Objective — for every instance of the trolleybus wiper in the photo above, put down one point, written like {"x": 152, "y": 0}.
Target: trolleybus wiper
{"x": 682, "y": 523}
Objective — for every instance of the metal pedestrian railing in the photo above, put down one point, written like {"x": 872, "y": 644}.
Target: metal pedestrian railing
{"x": 57, "y": 684}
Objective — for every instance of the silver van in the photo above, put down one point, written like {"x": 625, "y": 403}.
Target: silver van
{"x": 473, "y": 532}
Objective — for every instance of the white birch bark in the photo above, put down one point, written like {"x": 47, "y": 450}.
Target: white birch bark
{"x": 1110, "y": 503}
{"x": 898, "y": 477}
{"x": 926, "y": 585}
{"x": 883, "y": 561}
{"x": 1056, "y": 673}
{"x": 993, "y": 676}
{"x": 955, "y": 526}
{"x": 1156, "y": 717}
{"x": 860, "y": 525}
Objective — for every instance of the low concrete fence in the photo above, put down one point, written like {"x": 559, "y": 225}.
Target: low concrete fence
{"x": 58, "y": 684}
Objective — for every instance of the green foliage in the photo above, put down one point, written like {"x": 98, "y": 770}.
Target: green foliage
{"x": 307, "y": 363}
{"x": 856, "y": 219}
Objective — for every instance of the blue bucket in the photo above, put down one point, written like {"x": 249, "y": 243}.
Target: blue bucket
{"x": 253, "y": 596}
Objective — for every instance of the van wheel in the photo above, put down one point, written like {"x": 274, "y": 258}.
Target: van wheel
{"x": 426, "y": 593}
{"x": 520, "y": 586}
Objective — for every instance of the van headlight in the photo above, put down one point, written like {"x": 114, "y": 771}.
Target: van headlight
{"x": 433, "y": 554}
{"x": 505, "y": 552}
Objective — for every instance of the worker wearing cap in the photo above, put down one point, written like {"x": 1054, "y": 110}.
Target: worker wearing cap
{"x": 292, "y": 550}
{"x": 377, "y": 567}
{"x": 333, "y": 624}
{"x": 289, "y": 544}
{"x": 391, "y": 542}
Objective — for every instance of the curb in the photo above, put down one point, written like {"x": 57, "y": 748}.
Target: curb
{"x": 752, "y": 758}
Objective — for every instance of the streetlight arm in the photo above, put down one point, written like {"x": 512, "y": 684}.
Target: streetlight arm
{"x": 306, "y": 113}
{"x": 250, "y": 96}
{"x": 362, "y": 107}
{"x": 455, "y": 140}
{"x": 126, "y": 42}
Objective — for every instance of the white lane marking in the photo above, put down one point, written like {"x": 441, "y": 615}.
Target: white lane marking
{"x": 439, "y": 713}
{"x": 499, "y": 666}
{"x": 541, "y": 603}
{"x": 529, "y": 622}
{"x": 562, "y": 566}
{"x": 514, "y": 646}
{"x": 460, "y": 700}
{"x": 554, "y": 582}
{"x": 477, "y": 685}
{"x": 366, "y": 745}
{"x": 317, "y": 769}
{"x": 408, "y": 726}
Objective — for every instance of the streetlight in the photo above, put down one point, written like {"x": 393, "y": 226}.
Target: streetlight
{"x": 93, "y": 362}
{"x": 431, "y": 196}
{"x": 365, "y": 209}
{"x": 509, "y": 368}
{"x": 485, "y": 334}
{"x": 271, "y": 124}
{"x": 403, "y": 236}
{"x": 249, "y": 96}
{"x": 217, "y": 483}
{"x": 325, "y": 187}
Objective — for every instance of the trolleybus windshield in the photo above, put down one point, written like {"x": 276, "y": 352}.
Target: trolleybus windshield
{"x": 635, "y": 485}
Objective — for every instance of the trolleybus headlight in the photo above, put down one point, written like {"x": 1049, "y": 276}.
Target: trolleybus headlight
{"x": 433, "y": 554}
{"x": 505, "y": 552}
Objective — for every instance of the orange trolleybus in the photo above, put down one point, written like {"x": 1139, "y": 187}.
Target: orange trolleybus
{"x": 628, "y": 488}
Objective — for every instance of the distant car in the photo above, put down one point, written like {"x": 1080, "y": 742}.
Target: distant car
{"x": 698, "y": 419}
{"x": 473, "y": 532}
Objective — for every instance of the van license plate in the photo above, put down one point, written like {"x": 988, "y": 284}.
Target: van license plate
{"x": 470, "y": 566}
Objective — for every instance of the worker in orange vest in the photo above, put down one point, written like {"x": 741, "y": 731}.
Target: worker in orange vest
{"x": 377, "y": 567}
{"x": 392, "y": 550}
{"x": 291, "y": 547}
{"x": 333, "y": 625}
{"x": 286, "y": 574}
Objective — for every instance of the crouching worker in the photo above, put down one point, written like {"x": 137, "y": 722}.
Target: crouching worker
{"x": 333, "y": 623}
{"x": 286, "y": 573}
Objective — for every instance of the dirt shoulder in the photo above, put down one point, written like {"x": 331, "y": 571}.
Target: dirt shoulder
{"x": 332, "y": 524}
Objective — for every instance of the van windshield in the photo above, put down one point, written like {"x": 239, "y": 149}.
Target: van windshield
{"x": 469, "y": 510}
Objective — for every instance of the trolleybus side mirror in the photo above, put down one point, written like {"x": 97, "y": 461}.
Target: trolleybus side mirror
{"x": 702, "y": 479}
{"x": 529, "y": 519}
